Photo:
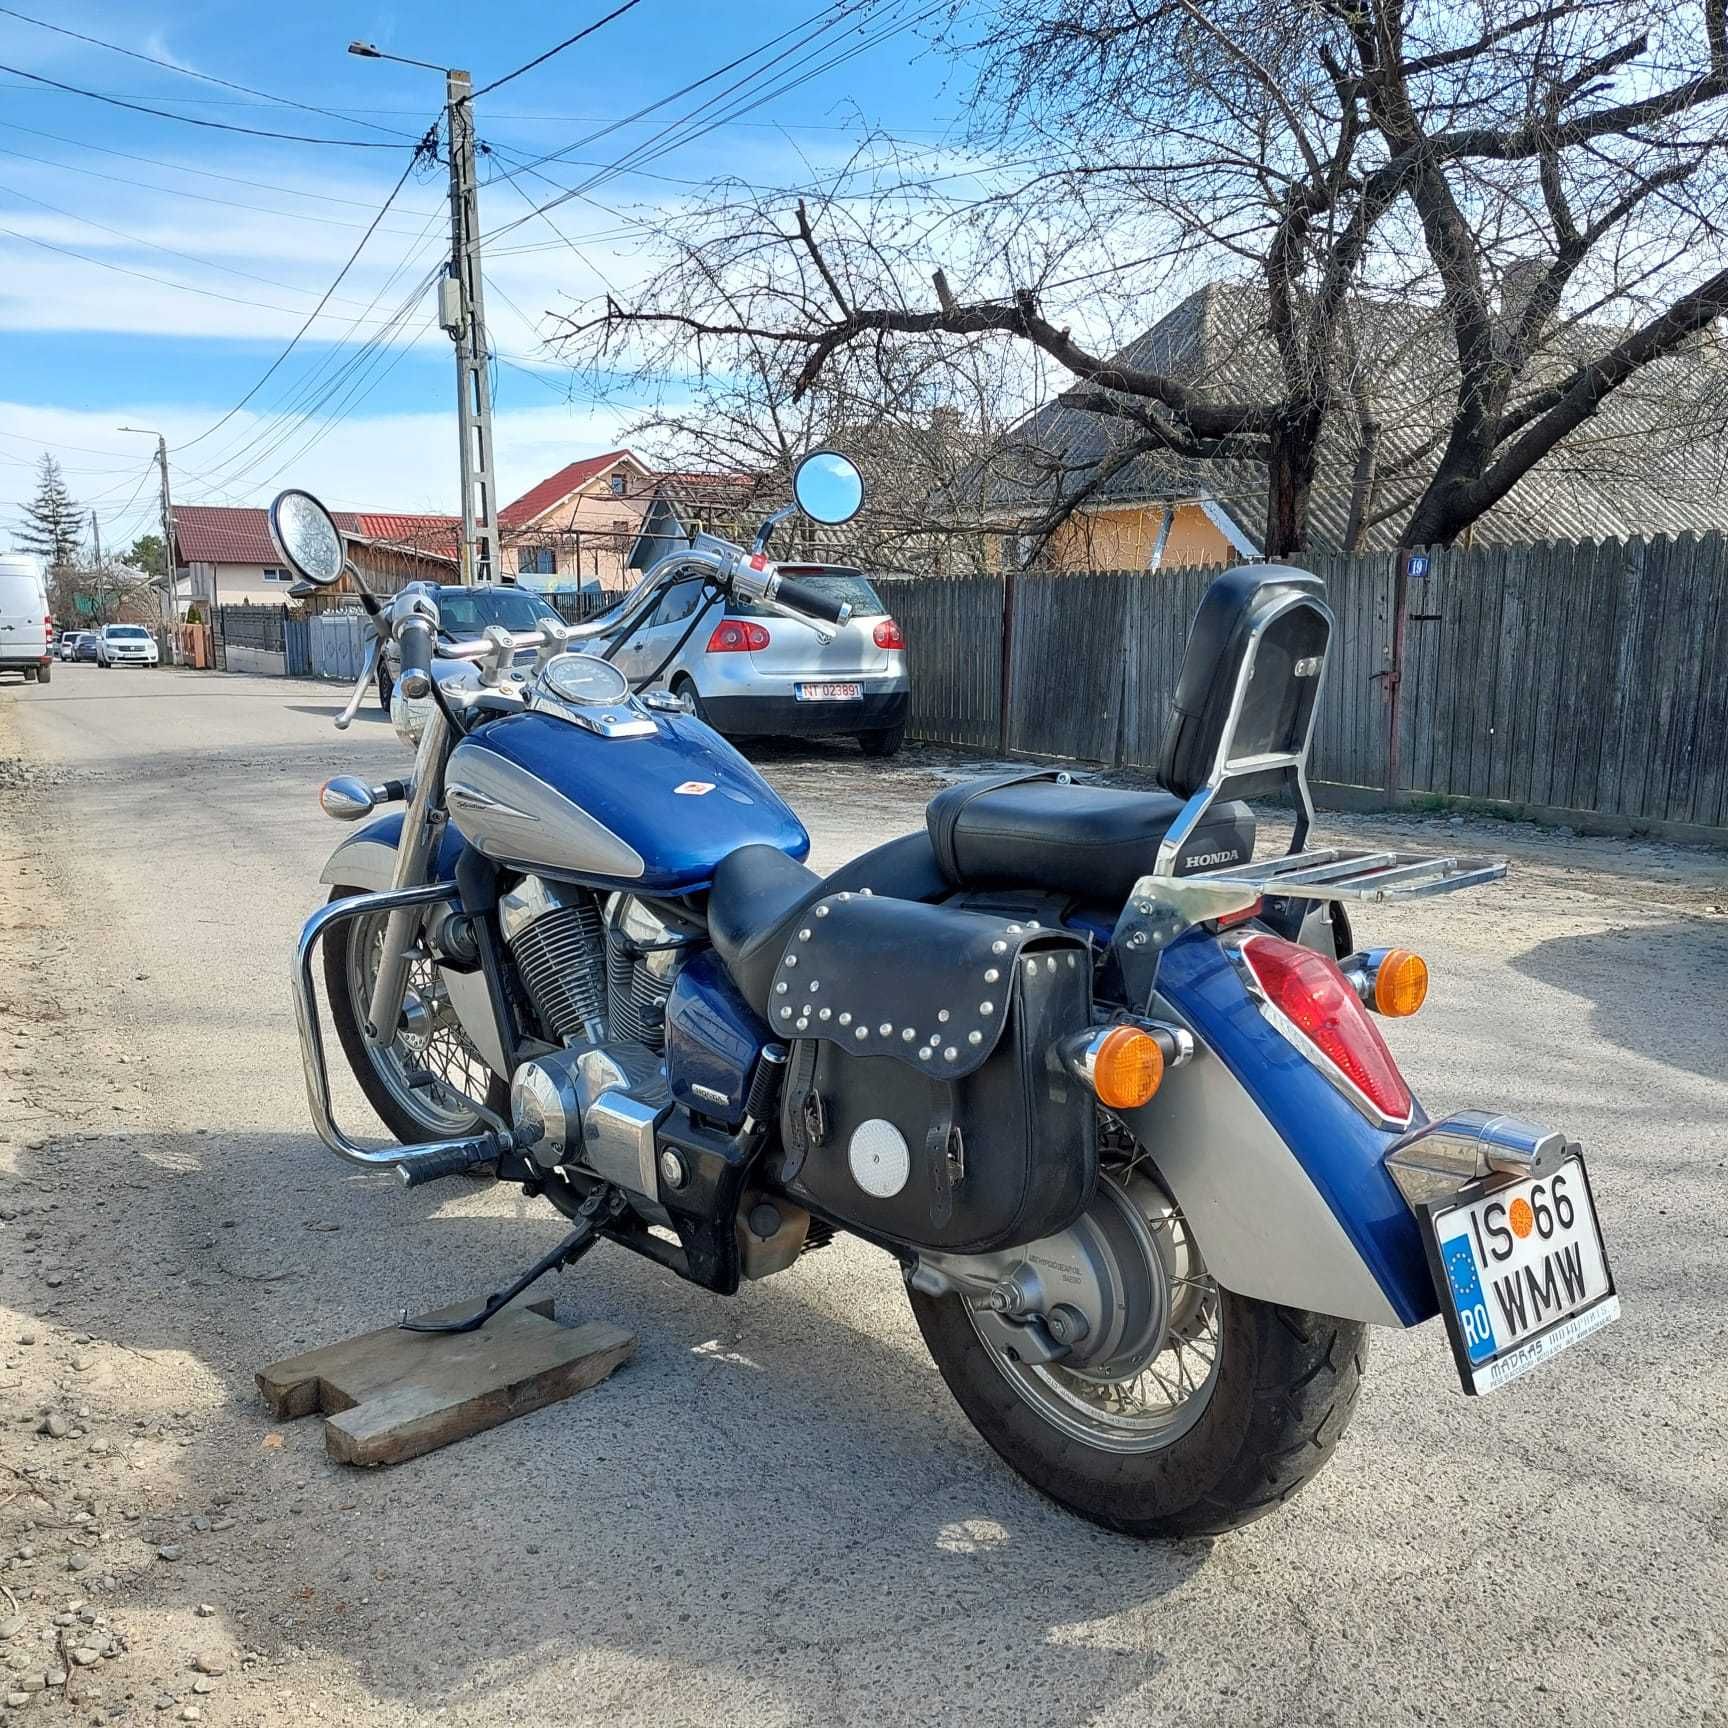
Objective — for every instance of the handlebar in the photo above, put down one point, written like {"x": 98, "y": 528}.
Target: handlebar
{"x": 415, "y": 640}
{"x": 803, "y": 597}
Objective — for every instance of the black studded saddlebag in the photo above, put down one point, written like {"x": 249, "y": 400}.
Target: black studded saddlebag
{"x": 926, "y": 1101}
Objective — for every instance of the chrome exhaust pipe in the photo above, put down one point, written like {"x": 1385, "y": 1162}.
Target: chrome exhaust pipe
{"x": 437, "y": 1156}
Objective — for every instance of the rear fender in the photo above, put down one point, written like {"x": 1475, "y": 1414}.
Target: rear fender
{"x": 1281, "y": 1177}
{"x": 367, "y": 859}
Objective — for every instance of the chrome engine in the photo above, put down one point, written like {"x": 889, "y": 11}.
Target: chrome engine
{"x": 596, "y": 968}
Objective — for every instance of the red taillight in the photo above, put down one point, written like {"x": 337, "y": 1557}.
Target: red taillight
{"x": 1319, "y": 1003}
{"x": 888, "y": 634}
{"x": 737, "y": 636}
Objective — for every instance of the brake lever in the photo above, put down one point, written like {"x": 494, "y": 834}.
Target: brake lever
{"x": 361, "y": 685}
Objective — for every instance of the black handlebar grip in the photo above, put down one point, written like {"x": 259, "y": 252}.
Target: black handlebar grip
{"x": 414, "y": 639}
{"x": 802, "y": 597}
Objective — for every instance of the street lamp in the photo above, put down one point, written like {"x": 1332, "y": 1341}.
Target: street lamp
{"x": 169, "y": 610}
{"x": 462, "y": 311}
{"x": 371, "y": 51}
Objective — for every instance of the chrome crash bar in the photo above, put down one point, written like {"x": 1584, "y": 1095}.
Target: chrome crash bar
{"x": 415, "y": 1163}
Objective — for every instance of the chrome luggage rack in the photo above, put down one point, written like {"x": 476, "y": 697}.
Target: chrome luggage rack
{"x": 1347, "y": 873}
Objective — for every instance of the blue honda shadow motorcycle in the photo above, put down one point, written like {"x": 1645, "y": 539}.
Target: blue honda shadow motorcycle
{"x": 1111, "y": 1090}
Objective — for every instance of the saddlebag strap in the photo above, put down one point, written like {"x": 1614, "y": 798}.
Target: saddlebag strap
{"x": 936, "y": 1157}
{"x": 804, "y": 1125}
{"x": 946, "y": 808}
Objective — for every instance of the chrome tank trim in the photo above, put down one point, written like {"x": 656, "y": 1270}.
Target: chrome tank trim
{"x": 512, "y": 816}
{"x": 1264, "y": 1228}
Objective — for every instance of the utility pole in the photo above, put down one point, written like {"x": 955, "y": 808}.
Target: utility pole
{"x": 101, "y": 572}
{"x": 168, "y": 614}
{"x": 462, "y": 311}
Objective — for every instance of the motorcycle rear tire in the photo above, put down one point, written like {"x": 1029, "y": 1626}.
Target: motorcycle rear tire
{"x": 347, "y": 1016}
{"x": 1288, "y": 1381}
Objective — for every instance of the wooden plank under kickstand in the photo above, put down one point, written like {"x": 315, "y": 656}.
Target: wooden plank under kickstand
{"x": 392, "y": 1395}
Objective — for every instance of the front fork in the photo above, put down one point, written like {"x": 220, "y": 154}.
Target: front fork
{"x": 420, "y": 825}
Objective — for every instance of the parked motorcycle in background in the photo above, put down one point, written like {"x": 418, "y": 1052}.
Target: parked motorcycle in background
{"x": 1110, "y": 1091}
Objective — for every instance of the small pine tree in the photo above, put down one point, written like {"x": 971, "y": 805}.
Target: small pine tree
{"x": 53, "y": 522}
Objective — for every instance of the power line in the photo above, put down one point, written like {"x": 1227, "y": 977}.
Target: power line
{"x": 204, "y": 77}
{"x": 198, "y": 197}
{"x": 542, "y": 119}
{"x": 193, "y": 120}
{"x": 337, "y": 283}
{"x": 160, "y": 281}
{"x": 568, "y": 42}
{"x": 687, "y": 128}
{"x": 156, "y": 246}
{"x": 321, "y": 198}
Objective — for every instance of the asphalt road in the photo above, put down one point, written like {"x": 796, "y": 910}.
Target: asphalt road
{"x": 775, "y": 1514}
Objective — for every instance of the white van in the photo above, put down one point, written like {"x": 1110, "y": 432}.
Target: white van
{"x": 24, "y": 625}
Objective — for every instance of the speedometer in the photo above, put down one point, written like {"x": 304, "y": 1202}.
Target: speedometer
{"x": 582, "y": 679}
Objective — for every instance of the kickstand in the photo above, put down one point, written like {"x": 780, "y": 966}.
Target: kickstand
{"x": 600, "y": 1208}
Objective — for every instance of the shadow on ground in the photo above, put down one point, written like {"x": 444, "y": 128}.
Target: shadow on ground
{"x": 762, "y": 1489}
{"x": 1678, "y": 969}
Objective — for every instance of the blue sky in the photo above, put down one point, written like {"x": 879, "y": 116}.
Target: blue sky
{"x": 152, "y": 269}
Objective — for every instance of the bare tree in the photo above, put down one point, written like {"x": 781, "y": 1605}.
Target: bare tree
{"x": 1537, "y": 188}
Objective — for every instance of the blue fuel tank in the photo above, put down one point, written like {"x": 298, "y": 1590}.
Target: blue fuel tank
{"x": 654, "y": 813}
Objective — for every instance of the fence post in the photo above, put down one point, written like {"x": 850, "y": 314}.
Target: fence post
{"x": 1395, "y": 672}
{"x": 1009, "y": 577}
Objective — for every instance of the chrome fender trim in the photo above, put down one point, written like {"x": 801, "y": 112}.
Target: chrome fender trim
{"x": 1264, "y": 1228}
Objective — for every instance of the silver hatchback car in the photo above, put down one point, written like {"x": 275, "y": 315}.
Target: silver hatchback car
{"x": 750, "y": 671}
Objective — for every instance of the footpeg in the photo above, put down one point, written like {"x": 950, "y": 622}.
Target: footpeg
{"x": 597, "y": 1211}
{"x": 448, "y": 1160}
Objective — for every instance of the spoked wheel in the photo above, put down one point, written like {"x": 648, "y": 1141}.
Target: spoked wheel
{"x": 425, "y": 1083}
{"x": 1196, "y": 1410}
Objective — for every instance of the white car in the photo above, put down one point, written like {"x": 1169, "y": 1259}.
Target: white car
{"x": 125, "y": 645}
{"x": 751, "y": 671}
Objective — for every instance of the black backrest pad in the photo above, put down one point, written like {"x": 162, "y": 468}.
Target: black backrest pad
{"x": 1279, "y": 705}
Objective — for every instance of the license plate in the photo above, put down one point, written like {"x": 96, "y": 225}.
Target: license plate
{"x": 829, "y": 692}
{"x": 1521, "y": 1273}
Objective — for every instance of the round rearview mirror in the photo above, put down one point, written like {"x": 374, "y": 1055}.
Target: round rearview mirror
{"x": 307, "y": 537}
{"x": 828, "y": 487}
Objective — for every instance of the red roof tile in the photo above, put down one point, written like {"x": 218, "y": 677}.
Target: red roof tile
{"x": 221, "y": 534}
{"x": 437, "y": 536}
{"x": 555, "y": 489}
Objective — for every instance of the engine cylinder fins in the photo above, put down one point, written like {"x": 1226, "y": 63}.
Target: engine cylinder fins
{"x": 561, "y": 956}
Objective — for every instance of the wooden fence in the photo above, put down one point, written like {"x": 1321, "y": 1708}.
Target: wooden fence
{"x": 1589, "y": 677}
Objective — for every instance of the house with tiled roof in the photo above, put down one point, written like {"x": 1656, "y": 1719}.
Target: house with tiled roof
{"x": 1652, "y": 460}
{"x": 223, "y": 554}
{"x": 577, "y": 528}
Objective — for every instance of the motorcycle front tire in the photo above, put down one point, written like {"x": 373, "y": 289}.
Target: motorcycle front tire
{"x": 348, "y": 1016}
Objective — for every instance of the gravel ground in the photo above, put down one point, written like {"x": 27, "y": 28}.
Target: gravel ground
{"x": 774, "y": 1514}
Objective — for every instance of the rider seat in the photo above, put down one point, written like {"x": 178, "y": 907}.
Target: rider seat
{"x": 1090, "y": 843}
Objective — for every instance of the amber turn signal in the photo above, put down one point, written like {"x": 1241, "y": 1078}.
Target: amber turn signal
{"x": 1400, "y": 983}
{"x": 1127, "y": 1067}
